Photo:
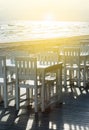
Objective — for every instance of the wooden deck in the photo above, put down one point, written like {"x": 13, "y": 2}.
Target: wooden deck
{"x": 73, "y": 114}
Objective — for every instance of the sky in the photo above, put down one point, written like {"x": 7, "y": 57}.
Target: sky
{"x": 58, "y": 10}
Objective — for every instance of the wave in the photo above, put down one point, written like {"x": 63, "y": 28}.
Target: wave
{"x": 28, "y": 30}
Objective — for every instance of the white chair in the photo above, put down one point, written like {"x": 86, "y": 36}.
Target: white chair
{"x": 26, "y": 77}
{"x": 71, "y": 67}
{"x": 87, "y": 72}
{"x": 84, "y": 50}
{"x": 49, "y": 58}
{"x": 6, "y": 84}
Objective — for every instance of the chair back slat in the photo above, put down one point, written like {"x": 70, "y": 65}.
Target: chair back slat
{"x": 48, "y": 58}
{"x": 72, "y": 55}
{"x": 26, "y": 67}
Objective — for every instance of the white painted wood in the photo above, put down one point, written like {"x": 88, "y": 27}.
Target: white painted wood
{"x": 26, "y": 77}
{"x": 71, "y": 65}
{"x": 6, "y": 83}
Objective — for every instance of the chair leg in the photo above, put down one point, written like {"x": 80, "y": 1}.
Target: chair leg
{"x": 1, "y": 91}
{"x": 17, "y": 97}
{"x": 36, "y": 101}
{"x": 5, "y": 96}
{"x": 27, "y": 95}
{"x": 65, "y": 82}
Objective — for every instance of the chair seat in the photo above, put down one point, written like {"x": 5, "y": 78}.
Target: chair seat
{"x": 1, "y": 80}
{"x": 72, "y": 67}
{"x": 87, "y": 65}
{"x": 29, "y": 83}
{"x": 8, "y": 82}
{"x": 50, "y": 78}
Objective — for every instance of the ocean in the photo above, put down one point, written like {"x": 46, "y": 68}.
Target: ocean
{"x": 14, "y": 31}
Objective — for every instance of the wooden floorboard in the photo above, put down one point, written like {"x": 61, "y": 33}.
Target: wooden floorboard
{"x": 73, "y": 114}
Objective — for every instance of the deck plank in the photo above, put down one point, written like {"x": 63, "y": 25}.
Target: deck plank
{"x": 73, "y": 114}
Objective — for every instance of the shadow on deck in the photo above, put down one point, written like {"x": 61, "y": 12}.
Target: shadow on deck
{"x": 73, "y": 114}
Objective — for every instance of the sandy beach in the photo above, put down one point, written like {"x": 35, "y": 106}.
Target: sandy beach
{"x": 39, "y": 45}
{"x": 53, "y": 41}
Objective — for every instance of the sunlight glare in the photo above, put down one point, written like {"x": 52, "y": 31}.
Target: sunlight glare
{"x": 66, "y": 126}
{"x": 52, "y": 126}
{"x": 16, "y": 120}
{"x": 29, "y": 124}
{"x": 5, "y": 118}
{"x": 49, "y": 18}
